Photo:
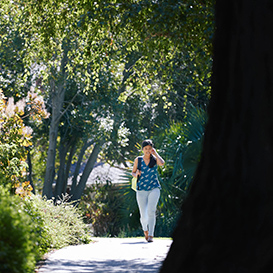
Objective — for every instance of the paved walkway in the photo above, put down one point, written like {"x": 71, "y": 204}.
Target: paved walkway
{"x": 130, "y": 255}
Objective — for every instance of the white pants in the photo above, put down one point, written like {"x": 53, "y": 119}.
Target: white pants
{"x": 147, "y": 202}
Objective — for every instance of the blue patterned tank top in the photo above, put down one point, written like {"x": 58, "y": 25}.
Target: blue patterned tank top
{"x": 149, "y": 177}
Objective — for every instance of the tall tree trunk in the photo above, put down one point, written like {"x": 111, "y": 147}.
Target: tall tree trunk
{"x": 226, "y": 223}
{"x": 30, "y": 170}
{"x": 63, "y": 149}
{"x": 65, "y": 164}
{"x": 76, "y": 194}
{"x": 57, "y": 98}
{"x": 73, "y": 147}
{"x": 78, "y": 165}
{"x": 58, "y": 93}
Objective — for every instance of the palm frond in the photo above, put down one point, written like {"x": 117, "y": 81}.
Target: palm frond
{"x": 187, "y": 154}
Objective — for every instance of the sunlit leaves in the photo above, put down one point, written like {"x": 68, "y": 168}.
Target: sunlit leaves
{"x": 127, "y": 60}
{"x": 97, "y": 31}
{"x": 15, "y": 136}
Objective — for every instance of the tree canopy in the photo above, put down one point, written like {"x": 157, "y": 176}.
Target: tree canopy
{"x": 132, "y": 65}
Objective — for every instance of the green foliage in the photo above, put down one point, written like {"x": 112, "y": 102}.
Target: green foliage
{"x": 91, "y": 42}
{"x": 102, "y": 204}
{"x": 15, "y": 76}
{"x": 38, "y": 224}
{"x": 114, "y": 212}
{"x": 32, "y": 226}
{"x": 15, "y": 137}
{"x": 132, "y": 66}
{"x": 58, "y": 225}
{"x": 189, "y": 155}
{"x": 98, "y": 31}
{"x": 18, "y": 249}
{"x": 182, "y": 146}
{"x": 166, "y": 221}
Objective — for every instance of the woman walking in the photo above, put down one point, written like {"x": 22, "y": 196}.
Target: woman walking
{"x": 148, "y": 187}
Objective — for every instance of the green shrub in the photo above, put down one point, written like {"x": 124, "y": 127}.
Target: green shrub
{"x": 32, "y": 226}
{"x": 58, "y": 225}
{"x": 38, "y": 224}
{"x": 112, "y": 210}
{"x": 102, "y": 204}
{"x": 18, "y": 248}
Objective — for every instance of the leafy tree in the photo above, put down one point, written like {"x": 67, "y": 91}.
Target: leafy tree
{"x": 162, "y": 28}
{"x": 14, "y": 75}
{"x": 68, "y": 39}
{"x": 65, "y": 47}
{"x": 99, "y": 116}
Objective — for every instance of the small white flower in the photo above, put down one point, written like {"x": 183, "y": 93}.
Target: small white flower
{"x": 20, "y": 105}
{"x": 27, "y": 130}
{"x": 10, "y": 109}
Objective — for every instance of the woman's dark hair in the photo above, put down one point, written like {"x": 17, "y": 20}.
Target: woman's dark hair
{"x": 153, "y": 159}
{"x": 147, "y": 142}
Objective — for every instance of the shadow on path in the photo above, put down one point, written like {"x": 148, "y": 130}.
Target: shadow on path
{"x": 134, "y": 243}
{"x": 64, "y": 266}
{"x": 132, "y": 255}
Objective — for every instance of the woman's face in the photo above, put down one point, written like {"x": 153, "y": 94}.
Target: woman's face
{"x": 147, "y": 150}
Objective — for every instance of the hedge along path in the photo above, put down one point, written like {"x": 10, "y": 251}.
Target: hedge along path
{"x": 109, "y": 255}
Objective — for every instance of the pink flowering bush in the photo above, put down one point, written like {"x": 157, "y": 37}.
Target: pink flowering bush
{"x": 15, "y": 136}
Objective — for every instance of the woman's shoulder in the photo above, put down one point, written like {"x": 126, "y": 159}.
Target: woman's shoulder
{"x": 138, "y": 158}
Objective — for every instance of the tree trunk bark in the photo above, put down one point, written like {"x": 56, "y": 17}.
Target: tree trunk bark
{"x": 30, "y": 170}
{"x": 63, "y": 149}
{"x": 57, "y": 97}
{"x": 76, "y": 194}
{"x": 226, "y": 223}
{"x": 78, "y": 165}
{"x": 57, "y": 104}
{"x": 73, "y": 147}
{"x": 65, "y": 164}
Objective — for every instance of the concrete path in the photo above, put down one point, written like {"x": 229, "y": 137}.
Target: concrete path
{"x": 130, "y": 255}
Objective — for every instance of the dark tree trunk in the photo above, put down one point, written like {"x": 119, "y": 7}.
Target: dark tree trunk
{"x": 66, "y": 150}
{"x": 78, "y": 164}
{"x": 57, "y": 90}
{"x": 227, "y": 219}
{"x": 73, "y": 147}
{"x": 30, "y": 171}
{"x": 58, "y": 93}
{"x": 78, "y": 190}
{"x": 61, "y": 173}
